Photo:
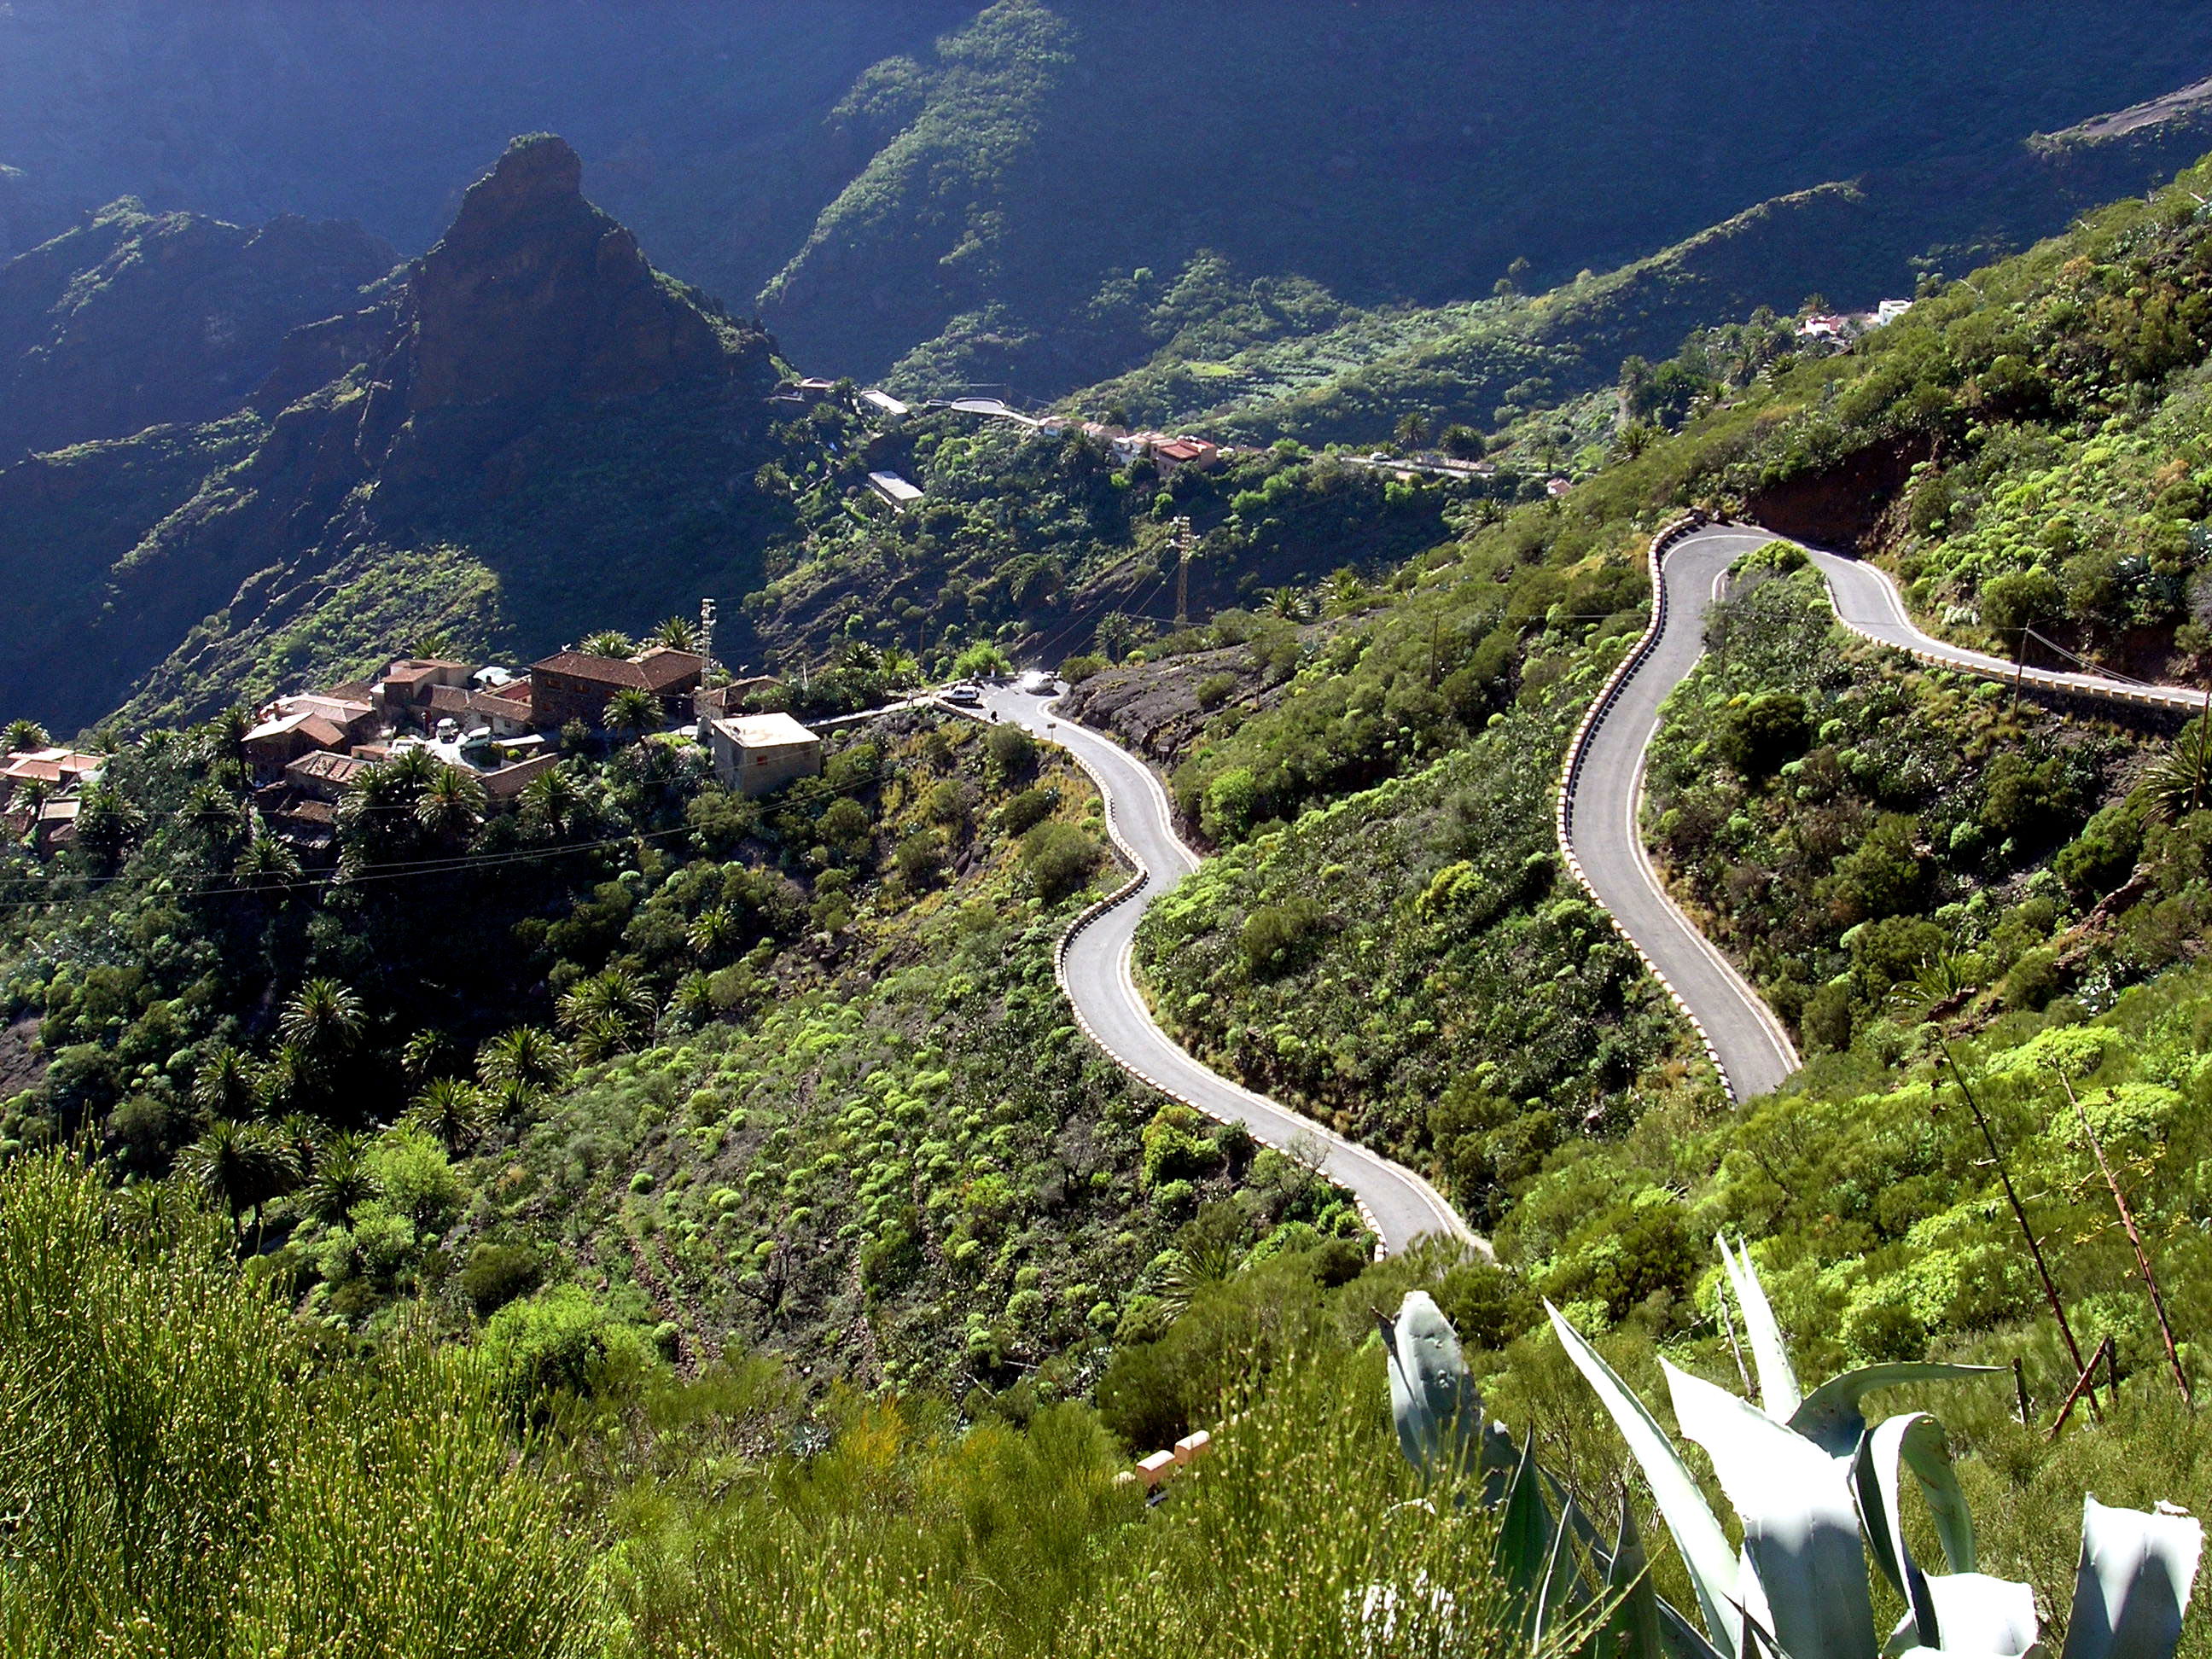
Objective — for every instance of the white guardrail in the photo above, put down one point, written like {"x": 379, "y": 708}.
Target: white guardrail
{"x": 1114, "y": 901}
{"x": 1577, "y": 752}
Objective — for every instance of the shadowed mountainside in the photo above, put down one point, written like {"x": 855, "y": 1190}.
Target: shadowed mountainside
{"x": 134, "y": 319}
{"x": 529, "y": 403}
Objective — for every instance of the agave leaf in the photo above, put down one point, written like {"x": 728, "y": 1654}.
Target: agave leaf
{"x": 2137, "y": 1568}
{"x": 1632, "y": 1626}
{"x": 1980, "y": 1614}
{"x": 1432, "y": 1399}
{"x": 1801, "y": 1532}
{"x": 1561, "y": 1594}
{"x": 1525, "y": 1533}
{"x": 1777, "y": 1380}
{"x": 1697, "y": 1535}
{"x": 1830, "y": 1416}
{"x": 1915, "y": 1441}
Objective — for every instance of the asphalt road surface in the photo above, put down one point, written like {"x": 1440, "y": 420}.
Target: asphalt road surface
{"x": 1755, "y": 1053}
{"x": 1095, "y": 971}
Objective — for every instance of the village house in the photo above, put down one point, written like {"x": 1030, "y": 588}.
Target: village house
{"x": 504, "y": 711}
{"x": 883, "y": 405}
{"x": 899, "y": 492}
{"x": 575, "y": 685}
{"x": 325, "y": 776}
{"x": 1176, "y": 454}
{"x": 52, "y": 770}
{"x": 1130, "y": 448}
{"x": 274, "y": 745}
{"x": 404, "y": 690}
{"x": 755, "y": 753}
{"x": 711, "y": 704}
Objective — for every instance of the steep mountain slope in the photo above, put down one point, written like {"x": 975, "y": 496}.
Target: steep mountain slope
{"x": 996, "y": 179}
{"x": 134, "y": 319}
{"x": 1246, "y": 358}
{"x": 531, "y": 431}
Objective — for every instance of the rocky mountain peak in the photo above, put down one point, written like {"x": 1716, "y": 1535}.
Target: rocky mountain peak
{"x": 536, "y": 294}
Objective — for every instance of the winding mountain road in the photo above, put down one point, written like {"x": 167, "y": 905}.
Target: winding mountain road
{"x": 1095, "y": 971}
{"x": 1599, "y": 819}
{"x": 1600, "y": 810}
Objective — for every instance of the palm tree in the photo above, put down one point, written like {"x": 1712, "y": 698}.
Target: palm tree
{"x": 240, "y": 1166}
{"x": 677, "y": 633}
{"x": 510, "y": 1099}
{"x": 1412, "y": 429}
{"x": 1287, "y": 603}
{"x": 227, "y": 1085}
{"x": 301, "y": 1138}
{"x": 266, "y": 862}
{"x": 715, "y": 933}
{"x": 214, "y": 813}
{"x": 422, "y": 1056}
{"x": 324, "y": 1018}
{"x": 527, "y": 1054}
{"x": 22, "y": 735}
{"x": 451, "y": 1109}
{"x": 632, "y": 710}
{"x": 451, "y": 804}
{"x": 609, "y": 642}
{"x": 607, "y": 1011}
{"x": 551, "y": 802}
{"x": 341, "y": 1180}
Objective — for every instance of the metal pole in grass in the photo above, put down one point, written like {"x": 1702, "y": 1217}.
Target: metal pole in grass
{"x": 2019, "y": 1212}
{"x": 2134, "y": 1237}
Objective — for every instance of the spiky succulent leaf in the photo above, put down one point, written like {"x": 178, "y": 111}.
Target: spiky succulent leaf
{"x": 1526, "y": 1536}
{"x": 1801, "y": 1531}
{"x": 1632, "y": 1626}
{"x": 1697, "y": 1535}
{"x": 1432, "y": 1399}
{"x": 1778, "y": 1379}
{"x": 1832, "y": 1415}
{"x": 1915, "y": 1442}
{"x": 1961, "y": 1611}
{"x": 2132, "y": 1587}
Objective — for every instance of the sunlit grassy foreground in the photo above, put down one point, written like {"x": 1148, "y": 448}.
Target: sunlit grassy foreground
{"x": 184, "y": 1469}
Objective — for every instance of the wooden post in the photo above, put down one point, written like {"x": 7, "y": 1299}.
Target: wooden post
{"x": 2134, "y": 1237}
{"x": 2020, "y": 1214}
{"x": 2084, "y": 1385}
{"x": 2020, "y": 1388}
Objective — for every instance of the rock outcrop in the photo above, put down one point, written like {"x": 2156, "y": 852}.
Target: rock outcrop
{"x": 525, "y": 433}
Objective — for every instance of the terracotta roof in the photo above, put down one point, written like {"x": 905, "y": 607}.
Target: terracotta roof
{"x": 1184, "y": 449}
{"x": 656, "y": 671}
{"x": 50, "y": 765}
{"x": 340, "y": 769}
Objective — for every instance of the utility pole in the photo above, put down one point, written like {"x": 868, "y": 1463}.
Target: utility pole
{"x": 699, "y": 704}
{"x": 1182, "y": 573}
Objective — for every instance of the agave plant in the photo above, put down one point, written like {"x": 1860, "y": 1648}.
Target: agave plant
{"x": 1818, "y": 1491}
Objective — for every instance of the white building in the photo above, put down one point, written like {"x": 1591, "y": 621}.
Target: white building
{"x": 1889, "y": 311}
{"x": 883, "y": 404}
{"x": 900, "y": 493}
{"x": 755, "y": 753}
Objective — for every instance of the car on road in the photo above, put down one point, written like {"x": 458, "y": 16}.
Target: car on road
{"x": 967, "y": 696}
{"x": 1039, "y": 682}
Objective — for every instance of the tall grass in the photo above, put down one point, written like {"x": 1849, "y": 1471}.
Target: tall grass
{"x": 183, "y": 1470}
{"x": 1301, "y": 1535}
